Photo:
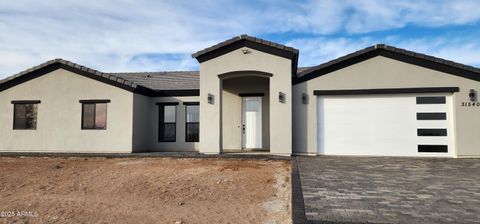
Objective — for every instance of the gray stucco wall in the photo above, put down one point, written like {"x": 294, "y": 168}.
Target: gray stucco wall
{"x": 232, "y": 109}
{"x": 145, "y": 126}
{"x": 59, "y": 116}
{"x": 381, "y": 72}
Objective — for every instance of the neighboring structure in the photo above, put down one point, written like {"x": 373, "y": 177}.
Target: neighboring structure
{"x": 250, "y": 95}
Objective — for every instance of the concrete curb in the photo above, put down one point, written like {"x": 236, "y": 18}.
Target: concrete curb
{"x": 298, "y": 205}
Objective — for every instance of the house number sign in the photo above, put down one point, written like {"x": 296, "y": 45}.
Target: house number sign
{"x": 470, "y": 104}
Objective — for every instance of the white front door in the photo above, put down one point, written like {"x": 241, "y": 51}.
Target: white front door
{"x": 252, "y": 123}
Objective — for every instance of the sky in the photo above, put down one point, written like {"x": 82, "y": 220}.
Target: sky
{"x": 161, "y": 35}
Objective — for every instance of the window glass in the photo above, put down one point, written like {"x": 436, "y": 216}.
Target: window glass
{"x": 25, "y": 116}
{"x": 193, "y": 113}
{"x": 253, "y": 105}
{"x": 169, "y": 115}
{"x": 94, "y": 116}
{"x": 169, "y": 132}
{"x": 192, "y": 124}
{"x": 167, "y": 126}
{"x": 88, "y": 116}
{"x": 101, "y": 115}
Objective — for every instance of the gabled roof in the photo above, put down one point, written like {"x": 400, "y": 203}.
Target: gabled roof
{"x": 55, "y": 64}
{"x": 403, "y": 55}
{"x": 149, "y": 84}
{"x": 248, "y": 41}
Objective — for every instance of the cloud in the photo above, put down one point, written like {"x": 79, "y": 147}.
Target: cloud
{"x": 316, "y": 50}
{"x": 148, "y": 35}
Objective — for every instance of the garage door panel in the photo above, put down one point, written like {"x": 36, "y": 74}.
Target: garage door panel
{"x": 380, "y": 125}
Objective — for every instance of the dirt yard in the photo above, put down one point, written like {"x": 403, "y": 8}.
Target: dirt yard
{"x": 144, "y": 190}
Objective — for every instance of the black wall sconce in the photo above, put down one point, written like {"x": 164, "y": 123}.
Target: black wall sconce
{"x": 281, "y": 97}
{"x": 472, "y": 95}
{"x": 210, "y": 99}
{"x": 304, "y": 98}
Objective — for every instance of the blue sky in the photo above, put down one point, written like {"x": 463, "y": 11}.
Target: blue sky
{"x": 152, "y": 35}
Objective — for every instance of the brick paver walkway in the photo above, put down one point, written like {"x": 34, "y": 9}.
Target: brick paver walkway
{"x": 390, "y": 190}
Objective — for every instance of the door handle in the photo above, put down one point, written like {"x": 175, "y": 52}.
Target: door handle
{"x": 243, "y": 129}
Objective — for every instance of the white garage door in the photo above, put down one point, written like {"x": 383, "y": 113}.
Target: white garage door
{"x": 385, "y": 125}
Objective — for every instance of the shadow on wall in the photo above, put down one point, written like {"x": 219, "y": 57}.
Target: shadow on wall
{"x": 232, "y": 109}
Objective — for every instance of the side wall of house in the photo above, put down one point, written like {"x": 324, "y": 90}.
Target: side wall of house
{"x": 60, "y": 112}
{"x": 382, "y": 72}
{"x": 145, "y": 127}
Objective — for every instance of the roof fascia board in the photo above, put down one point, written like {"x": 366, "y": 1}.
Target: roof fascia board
{"x": 386, "y": 91}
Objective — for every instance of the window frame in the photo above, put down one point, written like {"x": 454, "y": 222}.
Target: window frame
{"x": 94, "y": 102}
{"x": 186, "y": 104}
{"x": 161, "y": 122}
{"x": 23, "y": 102}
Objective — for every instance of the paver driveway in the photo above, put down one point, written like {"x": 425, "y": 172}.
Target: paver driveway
{"x": 390, "y": 190}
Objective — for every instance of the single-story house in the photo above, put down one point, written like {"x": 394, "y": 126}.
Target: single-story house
{"x": 250, "y": 95}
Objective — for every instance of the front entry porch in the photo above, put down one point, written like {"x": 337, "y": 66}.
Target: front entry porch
{"x": 245, "y": 112}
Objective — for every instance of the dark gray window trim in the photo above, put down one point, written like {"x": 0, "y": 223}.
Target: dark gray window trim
{"x": 94, "y": 101}
{"x": 160, "y": 120}
{"x": 167, "y": 103}
{"x": 94, "y": 117}
{"x": 387, "y": 91}
{"x": 251, "y": 94}
{"x": 186, "y": 123}
{"x": 26, "y": 101}
{"x": 191, "y": 103}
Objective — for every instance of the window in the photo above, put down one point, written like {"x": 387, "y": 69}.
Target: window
{"x": 167, "y": 122}
{"x": 431, "y": 116}
{"x": 433, "y": 148}
{"x": 192, "y": 124}
{"x": 25, "y": 115}
{"x": 431, "y": 132}
{"x": 431, "y": 100}
{"x": 94, "y": 114}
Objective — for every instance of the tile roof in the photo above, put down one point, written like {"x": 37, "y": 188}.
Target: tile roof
{"x": 244, "y": 37}
{"x": 175, "y": 80}
{"x": 93, "y": 72}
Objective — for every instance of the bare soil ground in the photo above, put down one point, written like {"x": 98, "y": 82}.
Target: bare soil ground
{"x": 144, "y": 190}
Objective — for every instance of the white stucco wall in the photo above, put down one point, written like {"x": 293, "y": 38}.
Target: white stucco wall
{"x": 59, "y": 116}
{"x": 382, "y": 72}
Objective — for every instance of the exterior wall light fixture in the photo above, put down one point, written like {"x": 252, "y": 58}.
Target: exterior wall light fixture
{"x": 304, "y": 98}
{"x": 281, "y": 97}
{"x": 210, "y": 99}
{"x": 246, "y": 51}
{"x": 472, "y": 95}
